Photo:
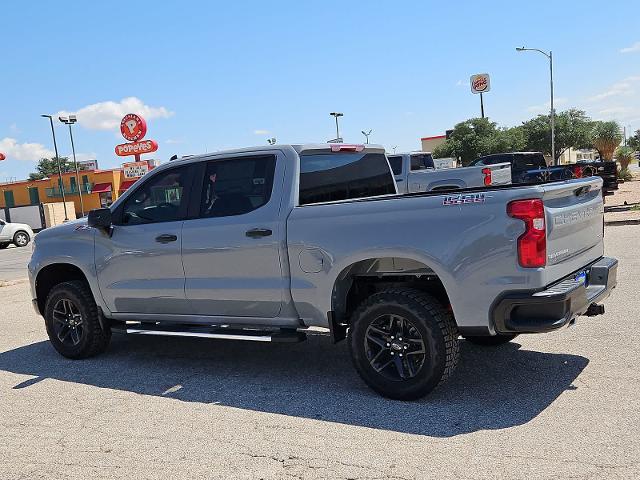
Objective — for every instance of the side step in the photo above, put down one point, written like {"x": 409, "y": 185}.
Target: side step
{"x": 223, "y": 333}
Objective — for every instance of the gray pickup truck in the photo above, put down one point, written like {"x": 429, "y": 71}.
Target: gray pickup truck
{"x": 263, "y": 243}
{"x": 416, "y": 172}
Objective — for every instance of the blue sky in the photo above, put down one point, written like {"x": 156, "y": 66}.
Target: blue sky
{"x": 214, "y": 75}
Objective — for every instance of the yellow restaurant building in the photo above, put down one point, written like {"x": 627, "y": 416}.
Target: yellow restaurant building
{"x": 99, "y": 188}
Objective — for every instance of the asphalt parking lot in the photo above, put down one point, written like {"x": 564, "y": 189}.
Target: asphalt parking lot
{"x": 13, "y": 262}
{"x": 559, "y": 405}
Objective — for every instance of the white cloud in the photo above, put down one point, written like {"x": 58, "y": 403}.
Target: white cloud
{"x": 613, "y": 111}
{"x": 14, "y": 129}
{"x": 461, "y": 83}
{"x": 23, "y": 151}
{"x": 633, "y": 48}
{"x": 624, "y": 87}
{"x": 261, "y": 132}
{"x": 545, "y": 107}
{"x": 107, "y": 115}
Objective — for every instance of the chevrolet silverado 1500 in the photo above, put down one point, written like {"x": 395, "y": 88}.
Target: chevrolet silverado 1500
{"x": 263, "y": 243}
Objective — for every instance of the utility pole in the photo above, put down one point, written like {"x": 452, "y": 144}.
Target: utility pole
{"x": 553, "y": 112}
{"x": 337, "y": 115}
{"x": 70, "y": 121}
{"x": 55, "y": 147}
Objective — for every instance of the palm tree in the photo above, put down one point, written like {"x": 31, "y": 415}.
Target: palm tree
{"x": 625, "y": 155}
{"x": 606, "y": 137}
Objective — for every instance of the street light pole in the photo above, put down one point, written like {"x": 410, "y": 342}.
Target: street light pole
{"x": 337, "y": 115}
{"x": 553, "y": 112}
{"x": 70, "y": 121}
{"x": 55, "y": 147}
{"x": 366, "y": 134}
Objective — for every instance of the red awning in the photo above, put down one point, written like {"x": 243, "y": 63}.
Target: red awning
{"x": 101, "y": 188}
{"x": 126, "y": 184}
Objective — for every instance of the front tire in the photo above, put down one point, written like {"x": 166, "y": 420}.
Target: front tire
{"x": 21, "y": 239}
{"x": 491, "y": 341}
{"x": 73, "y": 321}
{"x": 403, "y": 343}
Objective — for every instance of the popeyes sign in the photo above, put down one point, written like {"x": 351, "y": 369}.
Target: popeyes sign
{"x": 2, "y": 157}
{"x": 134, "y": 128}
{"x": 480, "y": 83}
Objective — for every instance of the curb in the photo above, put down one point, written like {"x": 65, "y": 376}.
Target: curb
{"x": 615, "y": 223}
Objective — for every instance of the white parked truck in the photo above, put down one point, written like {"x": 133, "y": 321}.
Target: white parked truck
{"x": 417, "y": 172}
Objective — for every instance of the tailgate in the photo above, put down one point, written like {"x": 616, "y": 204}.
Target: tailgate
{"x": 500, "y": 173}
{"x": 574, "y": 219}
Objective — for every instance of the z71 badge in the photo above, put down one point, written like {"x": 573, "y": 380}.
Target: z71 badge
{"x": 462, "y": 199}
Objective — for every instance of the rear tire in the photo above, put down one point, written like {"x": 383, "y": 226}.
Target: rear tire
{"x": 73, "y": 321}
{"x": 491, "y": 341}
{"x": 403, "y": 343}
{"x": 21, "y": 239}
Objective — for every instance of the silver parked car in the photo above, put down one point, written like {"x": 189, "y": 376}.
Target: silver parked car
{"x": 20, "y": 234}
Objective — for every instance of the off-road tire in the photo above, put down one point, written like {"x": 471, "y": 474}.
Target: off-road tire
{"x": 491, "y": 341}
{"x": 21, "y": 238}
{"x": 435, "y": 325}
{"x": 93, "y": 339}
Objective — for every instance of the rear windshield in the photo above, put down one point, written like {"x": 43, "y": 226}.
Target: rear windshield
{"x": 342, "y": 176}
{"x": 528, "y": 162}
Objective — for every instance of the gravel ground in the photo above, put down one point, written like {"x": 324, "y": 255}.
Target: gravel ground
{"x": 559, "y": 405}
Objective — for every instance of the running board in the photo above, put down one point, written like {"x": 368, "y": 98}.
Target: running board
{"x": 221, "y": 333}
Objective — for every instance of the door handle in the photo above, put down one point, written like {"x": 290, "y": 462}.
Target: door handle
{"x": 166, "y": 238}
{"x": 258, "y": 232}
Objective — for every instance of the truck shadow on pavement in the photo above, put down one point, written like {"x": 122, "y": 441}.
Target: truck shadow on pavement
{"x": 493, "y": 388}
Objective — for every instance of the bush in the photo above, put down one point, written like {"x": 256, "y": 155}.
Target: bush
{"x": 625, "y": 174}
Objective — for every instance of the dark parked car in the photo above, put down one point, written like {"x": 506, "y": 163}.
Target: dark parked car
{"x": 532, "y": 167}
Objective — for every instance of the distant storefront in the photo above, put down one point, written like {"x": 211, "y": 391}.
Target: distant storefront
{"x": 100, "y": 188}
{"x": 428, "y": 144}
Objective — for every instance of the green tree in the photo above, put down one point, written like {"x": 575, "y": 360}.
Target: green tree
{"x": 48, "y": 167}
{"x": 573, "y": 130}
{"x": 605, "y": 137}
{"x": 476, "y": 137}
{"x": 634, "y": 141}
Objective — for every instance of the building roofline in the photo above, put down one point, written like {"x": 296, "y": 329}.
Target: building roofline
{"x": 434, "y": 137}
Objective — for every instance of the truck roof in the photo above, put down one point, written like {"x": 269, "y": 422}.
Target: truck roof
{"x": 299, "y": 148}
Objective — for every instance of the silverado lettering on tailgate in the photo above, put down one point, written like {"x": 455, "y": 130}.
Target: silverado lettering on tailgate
{"x": 576, "y": 215}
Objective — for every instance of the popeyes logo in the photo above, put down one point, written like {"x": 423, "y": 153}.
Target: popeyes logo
{"x": 480, "y": 83}
{"x": 2, "y": 157}
{"x": 133, "y": 127}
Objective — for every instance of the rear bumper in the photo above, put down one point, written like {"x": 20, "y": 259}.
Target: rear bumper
{"x": 557, "y": 305}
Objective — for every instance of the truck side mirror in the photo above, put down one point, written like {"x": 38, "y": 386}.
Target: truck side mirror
{"x": 99, "y": 218}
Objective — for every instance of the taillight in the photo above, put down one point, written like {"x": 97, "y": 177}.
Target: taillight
{"x": 532, "y": 244}
{"x": 343, "y": 147}
{"x": 487, "y": 176}
{"x": 577, "y": 171}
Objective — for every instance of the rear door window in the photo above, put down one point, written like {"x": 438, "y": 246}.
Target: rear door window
{"x": 237, "y": 186}
{"x": 326, "y": 177}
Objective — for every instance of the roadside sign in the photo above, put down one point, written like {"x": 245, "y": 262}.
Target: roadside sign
{"x": 134, "y": 169}
{"x": 88, "y": 165}
{"x": 480, "y": 83}
{"x": 136, "y": 148}
{"x": 133, "y": 127}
